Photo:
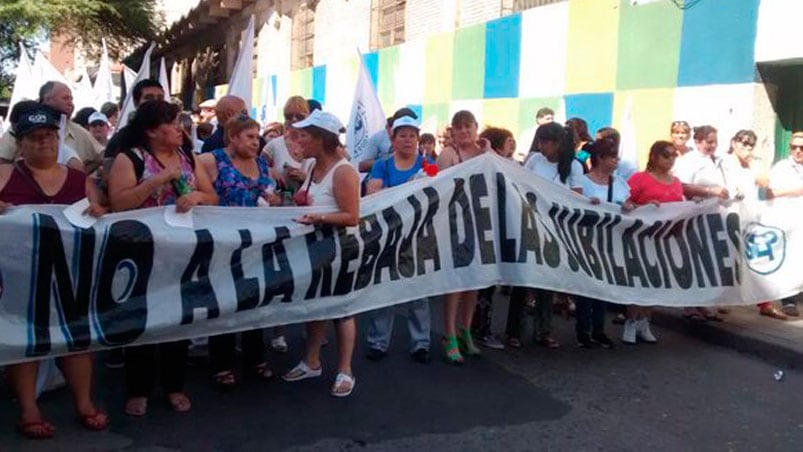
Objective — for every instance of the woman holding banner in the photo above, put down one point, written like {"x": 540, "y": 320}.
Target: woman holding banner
{"x": 465, "y": 145}
{"x": 702, "y": 174}
{"x": 334, "y": 184}
{"x": 153, "y": 170}
{"x": 656, "y": 185}
{"x": 241, "y": 178}
{"x": 404, "y": 165}
{"x": 38, "y": 179}
{"x": 600, "y": 185}
{"x": 556, "y": 162}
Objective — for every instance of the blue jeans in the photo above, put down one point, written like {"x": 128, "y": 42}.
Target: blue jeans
{"x": 590, "y": 315}
{"x": 418, "y": 322}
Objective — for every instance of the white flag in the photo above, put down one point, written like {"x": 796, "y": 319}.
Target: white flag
{"x": 83, "y": 96}
{"x": 366, "y": 116}
{"x": 163, "y": 80}
{"x": 144, "y": 72}
{"x": 130, "y": 76}
{"x": 560, "y": 115}
{"x": 267, "y": 107}
{"x": 628, "y": 149}
{"x": 44, "y": 71}
{"x": 25, "y": 86}
{"x": 241, "y": 83}
{"x": 103, "y": 90}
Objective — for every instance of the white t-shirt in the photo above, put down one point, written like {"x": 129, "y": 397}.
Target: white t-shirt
{"x": 786, "y": 175}
{"x": 699, "y": 169}
{"x": 377, "y": 148}
{"x": 621, "y": 191}
{"x": 539, "y": 165}
{"x": 277, "y": 151}
{"x": 66, "y": 153}
{"x": 740, "y": 181}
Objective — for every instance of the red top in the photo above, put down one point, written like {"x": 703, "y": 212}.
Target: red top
{"x": 644, "y": 188}
{"x": 22, "y": 188}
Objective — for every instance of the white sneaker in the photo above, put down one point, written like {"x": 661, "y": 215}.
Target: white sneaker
{"x": 643, "y": 331}
{"x": 279, "y": 344}
{"x": 629, "y": 332}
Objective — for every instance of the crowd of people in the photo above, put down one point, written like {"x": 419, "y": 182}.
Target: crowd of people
{"x": 164, "y": 156}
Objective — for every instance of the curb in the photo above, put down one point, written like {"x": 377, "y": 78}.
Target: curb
{"x": 774, "y": 350}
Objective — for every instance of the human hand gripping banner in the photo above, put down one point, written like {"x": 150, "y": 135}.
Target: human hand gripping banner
{"x": 132, "y": 279}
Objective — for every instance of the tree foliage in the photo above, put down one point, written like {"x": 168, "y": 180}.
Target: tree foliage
{"x": 125, "y": 24}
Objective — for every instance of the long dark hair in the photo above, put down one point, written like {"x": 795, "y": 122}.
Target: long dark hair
{"x": 149, "y": 116}
{"x": 564, "y": 136}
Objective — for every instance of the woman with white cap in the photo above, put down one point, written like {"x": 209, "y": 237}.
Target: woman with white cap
{"x": 403, "y": 166}
{"x": 332, "y": 182}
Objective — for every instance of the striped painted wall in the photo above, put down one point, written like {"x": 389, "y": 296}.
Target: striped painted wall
{"x": 695, "y": 64}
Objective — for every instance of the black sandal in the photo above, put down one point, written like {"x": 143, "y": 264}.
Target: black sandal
{"x": 225, "y": 380}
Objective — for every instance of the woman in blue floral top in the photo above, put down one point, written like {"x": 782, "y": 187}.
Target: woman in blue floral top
{"x": 241, "y": 178}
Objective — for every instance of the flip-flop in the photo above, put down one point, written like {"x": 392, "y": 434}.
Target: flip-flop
{"x": 179, "y": 402}
{"x": 36, "y": 429}
{"x": 341, "y": 379}
{"x": 95, "y": 422}
{"x": 136, "y": 406}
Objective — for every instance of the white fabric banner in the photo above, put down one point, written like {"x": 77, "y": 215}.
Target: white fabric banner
{"x": 128, "y": 103}
{"x": 103, "y": 89}
{"x": 25, "y": 87}
{"x": 366, "y": 117}
{"x": 241, "y": 83}
{"x": 130, "y": 278}
{"x": 163, "y": 80}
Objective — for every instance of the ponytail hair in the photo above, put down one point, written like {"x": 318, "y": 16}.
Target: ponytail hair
{"x": 565, "y": 137}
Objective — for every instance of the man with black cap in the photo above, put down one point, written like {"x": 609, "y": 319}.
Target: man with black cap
{"x": 58, "y": 96}
{"x": 378, "y": 146}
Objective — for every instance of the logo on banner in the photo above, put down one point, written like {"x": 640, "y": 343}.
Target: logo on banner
{"x": 360, "y": 129}
{"x": 764, "y": 248}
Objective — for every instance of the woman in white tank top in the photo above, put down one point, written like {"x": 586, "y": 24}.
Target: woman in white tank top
{"x": 332, "y": 182}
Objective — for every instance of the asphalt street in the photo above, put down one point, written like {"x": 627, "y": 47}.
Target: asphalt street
{"x": 681, "y": 394}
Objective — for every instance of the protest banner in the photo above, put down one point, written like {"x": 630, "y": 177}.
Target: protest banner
{"x": 132, "y": 279}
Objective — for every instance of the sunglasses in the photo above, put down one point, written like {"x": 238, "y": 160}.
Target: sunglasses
{"x": 680, "y": 123}
{"x": 294, "y": 116}
{"x": 796, "y": 147}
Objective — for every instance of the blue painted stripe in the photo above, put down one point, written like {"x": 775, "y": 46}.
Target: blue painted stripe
{"x": 371, "y": 61}
{"x": 502, "y": 57}
{"x": 319, "y": 84}
{"x": 596, "y": 109}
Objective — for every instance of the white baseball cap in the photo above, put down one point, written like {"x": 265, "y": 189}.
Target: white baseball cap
{"x": 406, "y": 121}
{"x": 325, "y": 121}
{"x": 208, "y": 103}
{"x": 97, "y": 117}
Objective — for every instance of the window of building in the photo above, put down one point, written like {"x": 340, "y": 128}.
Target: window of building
{"x": 303, "y": 37}
{"x": 387, "y": 23}
{"x": 514, "y": 6}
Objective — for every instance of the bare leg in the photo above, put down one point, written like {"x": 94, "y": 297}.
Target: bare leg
{"x": 78, "y": 373}
{"x": 469, "y": 305}
{"x": 23, "y": 380}
{"x": 450, "y": 307}
{"x": 315, "y": 332}
{"x": 346, "y": 336}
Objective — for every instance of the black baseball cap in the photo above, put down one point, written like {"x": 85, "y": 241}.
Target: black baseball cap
{"x": 35, "y": 119}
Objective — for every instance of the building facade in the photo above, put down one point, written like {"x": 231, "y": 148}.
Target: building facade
{"x": 733, "y": 64}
